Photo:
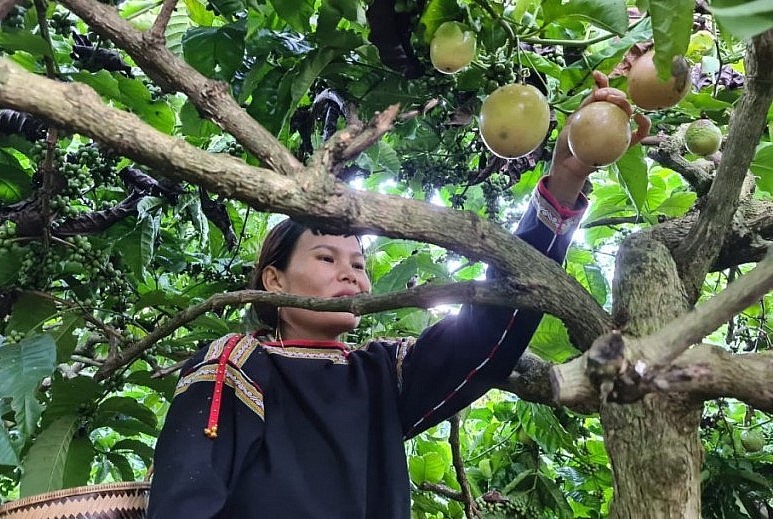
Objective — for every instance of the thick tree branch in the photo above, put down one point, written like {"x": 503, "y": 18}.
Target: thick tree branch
{"x": 668, "y": 152}
{"x": 670, "y": 341}
{"x": 747, "y": 242}
{"x": 702, "y": 373}
{"x": 696, "y": 255}
{"x": 333, "y": 207}
{"x": 422, "y": 296}
{"x": 172, "y": 74}
{"x": 706, "y": 372}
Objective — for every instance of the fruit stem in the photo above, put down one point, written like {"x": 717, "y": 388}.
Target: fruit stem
{"x": 578, "y": 43}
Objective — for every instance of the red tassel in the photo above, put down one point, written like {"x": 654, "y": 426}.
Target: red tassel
{"x": 214, "y": 409}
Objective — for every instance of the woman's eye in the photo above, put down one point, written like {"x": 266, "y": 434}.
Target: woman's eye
{"x": 328, "y": 259}
{"x": 358, "y": 266}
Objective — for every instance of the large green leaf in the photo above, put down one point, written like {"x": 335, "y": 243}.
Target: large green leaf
{"x": 551, "y": 341}
{"x": 8, "y": 454}
{"x": 22, "y": 366}
{"x": 125, "y": 406}
{"x": 10, "y": 265}
{"x": 215, "y": 51}
{"x": 632, "y": 174}
{"x": 762, "y": 167}
{"x": 671, "y": 29}
{"x": 437, "y": 12}
{"x": 30, "y": 311}
{"x": 743, "y": 18}
{"x": 610, "y": 15}
{"x": 24, "y": 40}
{"x": 44, "y": 465}
{"x": 14, "y": 181}
{"x": 72, "y": 395}
{"x": 297, "y": 13}
{"x": 428, "y": 467}
{"x": 77, "y": 468}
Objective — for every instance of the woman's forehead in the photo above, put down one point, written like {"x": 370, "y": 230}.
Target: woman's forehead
{"x": 310, "y": 240}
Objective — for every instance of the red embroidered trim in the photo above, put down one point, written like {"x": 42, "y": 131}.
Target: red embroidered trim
{"x": 214, "y": 409}
{"x": 564, "y": 212}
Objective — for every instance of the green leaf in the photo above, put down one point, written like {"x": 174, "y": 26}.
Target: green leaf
{"x": 297, "y": 13}
{"x": 298, "y": 80}
{"x": 179, "y": 24}
{"x": 762, "y": 167}
{"x": 22, "y": 366}
{"x": 551, "y": 341}
{"x": 14, "y": 181}
{"x": 122, "y": 405}
{"x": 610, "y": 15}
{"x": 77, "y": 468}
{"x": 215, "y": 51}
{"x": 24, "y": 40}
{"x": 72, "y": 395}
{"x": 164, "y": 385}
{"x": 596, "y": 283}
{"x": 671, "y": 30}
{"x": 677, "y": 204}
{"x": 141, "y": 449}
{"x": 437, "y": 12}
{"x": 65, "y": 337}
{"x": 44, "y": 465}
{"x": 632, "y": 174}
{"x": 10, "y": 265}
{"x": 8, "y": 454}
{"x": 120, "y": 462}
{"x": 29, "y": 312}
{"x": 743, "y": 18}
{"x": 428, "y": 467}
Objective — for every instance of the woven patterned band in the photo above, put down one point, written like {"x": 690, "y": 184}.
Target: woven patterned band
{"x": 109, "y": 501}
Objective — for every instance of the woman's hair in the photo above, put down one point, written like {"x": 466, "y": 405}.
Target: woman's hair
{"x": 277, "y": 248}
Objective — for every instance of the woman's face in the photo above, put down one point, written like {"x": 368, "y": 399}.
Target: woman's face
{"x": 323, "y": 266}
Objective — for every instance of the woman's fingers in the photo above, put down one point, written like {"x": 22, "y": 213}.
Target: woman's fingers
{"x": 643, "y": 125}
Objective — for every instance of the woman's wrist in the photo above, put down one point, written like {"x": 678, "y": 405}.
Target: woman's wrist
{"x": 565, "y": 186}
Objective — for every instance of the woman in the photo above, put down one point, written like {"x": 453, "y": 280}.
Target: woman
{"x": 292, "y": 424}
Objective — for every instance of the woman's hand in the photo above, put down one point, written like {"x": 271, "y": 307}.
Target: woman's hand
{"x": 567, "y": 173}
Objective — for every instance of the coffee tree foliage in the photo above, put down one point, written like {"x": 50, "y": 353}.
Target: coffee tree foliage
{"x": 97, "y": 251}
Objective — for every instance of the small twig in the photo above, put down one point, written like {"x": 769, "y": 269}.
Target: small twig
{"x": 442, "y": 490}
{"x": 461, "y": 476}
{"x": 162, "y": 20}
{"x": 162, "y": 372}
{"x": 86, "y": 360}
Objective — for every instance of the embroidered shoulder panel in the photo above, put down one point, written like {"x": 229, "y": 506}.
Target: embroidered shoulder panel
{"x": 336, "y": 356}
{"x": 240, "y": 353}
{"x": 245, "y": 389}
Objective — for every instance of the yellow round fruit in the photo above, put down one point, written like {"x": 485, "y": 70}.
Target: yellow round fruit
{"x": 647, "y": 91}
{"x": 514, "y": 120}
{"x": 452, "y": 47}
{"x": 599, "y": 133}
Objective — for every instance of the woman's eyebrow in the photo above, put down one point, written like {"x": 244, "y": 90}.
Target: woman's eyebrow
{"x": 335, "y": 249}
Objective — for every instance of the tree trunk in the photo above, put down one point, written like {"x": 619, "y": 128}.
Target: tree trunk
{"x": 653, "y": 445}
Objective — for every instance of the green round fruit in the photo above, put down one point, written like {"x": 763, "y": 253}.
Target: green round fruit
{"x": 514, "y": 120}
{"x": 599, "y": 133}
{"x": 702, "y": 137}
{"x": 753, "y": 440}
{"x": 452, "y": 47}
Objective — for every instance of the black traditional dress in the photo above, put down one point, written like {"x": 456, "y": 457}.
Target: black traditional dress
{"x": 312, "y": 429}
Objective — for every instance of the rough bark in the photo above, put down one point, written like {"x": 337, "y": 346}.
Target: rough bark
{"x": 699, "y": 250}
{"x": 653, "y": 444}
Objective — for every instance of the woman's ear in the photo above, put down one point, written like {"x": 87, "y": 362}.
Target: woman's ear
{"x": 272, "y": 279}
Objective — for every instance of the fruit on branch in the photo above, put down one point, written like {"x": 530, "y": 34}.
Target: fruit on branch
{"x": 599, "y": 133}
{"x": 646, "y": 89}
{"x": 753, "y": 440}
{"x": 452, "y": 47}
{"x": 514, "y": 120}
{"x": 702, "y": 137}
